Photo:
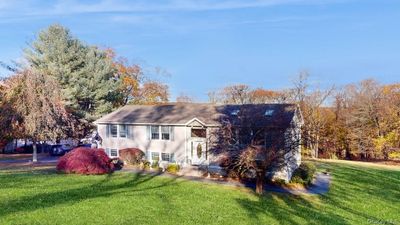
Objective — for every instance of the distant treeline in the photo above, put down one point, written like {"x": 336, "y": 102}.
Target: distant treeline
{"x": 357, "y": 121}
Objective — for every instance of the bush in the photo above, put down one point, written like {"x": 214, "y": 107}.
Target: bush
{"x": 132, "y": 156}
{"x": 154, "y": 165}
{"x": 394, "y": 155}
{"x": 118, "y": 163}
{"x": 304, "y": 174}
{"x": 85, "y": 161}
{"x": 146, "y": 165}
{"x": 173, "y": 168}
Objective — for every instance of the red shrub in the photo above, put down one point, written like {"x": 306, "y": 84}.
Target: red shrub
{"x": 85, "y": 161}
{"x": 131, "y": 155}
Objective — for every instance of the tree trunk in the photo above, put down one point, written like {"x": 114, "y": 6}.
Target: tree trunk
{"x": 34, "y": 155}
{"x": 260, "y": 181}
{"x": 316, "y": 147}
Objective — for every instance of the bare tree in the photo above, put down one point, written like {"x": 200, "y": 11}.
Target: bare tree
{"x": 236, "y": 94}
{"x": 251, "y": 144}
{"x": 184, "y": 98}
{"x": 311, "y": 104}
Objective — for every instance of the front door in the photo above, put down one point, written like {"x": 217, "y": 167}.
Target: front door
{"x": 198, "y": 152}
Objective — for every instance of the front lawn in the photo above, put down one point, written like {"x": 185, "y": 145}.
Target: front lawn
{"x": 359, "y": 195}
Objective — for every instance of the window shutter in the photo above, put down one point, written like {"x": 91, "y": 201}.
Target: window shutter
{"x": 171, "y": 133}
{"x": 107, "y": 130}
{"x": 130, "y": 131}
{"x": 148, "y": 130}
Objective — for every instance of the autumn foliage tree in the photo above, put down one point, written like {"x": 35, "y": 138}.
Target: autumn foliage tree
{"x": 39, "y": 112}
{"x": 135, "y": 87}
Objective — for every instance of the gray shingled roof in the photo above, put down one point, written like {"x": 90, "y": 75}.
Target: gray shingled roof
{"x": 210, "y": 114}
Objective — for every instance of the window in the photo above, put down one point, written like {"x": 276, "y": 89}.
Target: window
{"x": 165, "y": 132}
{"x": 169, "y": 157}
{"x": 201, "y": 133}
{"x": 235, "y": 112}
{"x": 114, "y": 130}
{"x": 199, "y": 151}
{"x": 165, "y": 157}
{"x": 269, "y": 112}
{"x": 155, "y": 156}
{"x": 123, "y": 130}
{"x": 114, "y": 153}
{"x": 155, "y": 133}
{"x": 160, "y": 132}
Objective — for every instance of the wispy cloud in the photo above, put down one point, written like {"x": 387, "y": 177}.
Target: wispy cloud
{"x": 67, "y": 7}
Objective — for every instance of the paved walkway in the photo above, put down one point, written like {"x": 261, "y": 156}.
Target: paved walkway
{"x": 320, "y": 185}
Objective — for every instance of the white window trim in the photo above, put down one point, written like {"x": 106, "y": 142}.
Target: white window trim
{"x": 110, "y": 133}
{"x": 169, "y": 133}
{"x": 151, "y": 132}
{"x": 126, "y": 130}
{"x": 159, "y": 156}
{"x": 111, "y": 149}
{"x": 170, "y": 130}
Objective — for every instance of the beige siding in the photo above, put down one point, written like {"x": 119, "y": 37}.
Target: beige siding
{"x": 139, "y": 139}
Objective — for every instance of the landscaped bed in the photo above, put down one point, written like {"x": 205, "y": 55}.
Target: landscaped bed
{"x": 359, "y": 194}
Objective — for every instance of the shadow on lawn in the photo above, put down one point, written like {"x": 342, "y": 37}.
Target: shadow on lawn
{"x": 348, "y": 201}
{"x": 104, "y": 188}
{"x": 288, "y": 209}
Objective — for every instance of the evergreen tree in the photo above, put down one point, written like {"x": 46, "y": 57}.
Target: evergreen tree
{"x": 85, "y": 73}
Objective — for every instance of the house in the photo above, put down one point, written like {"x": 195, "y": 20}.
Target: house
{"x": 184, "y": 133}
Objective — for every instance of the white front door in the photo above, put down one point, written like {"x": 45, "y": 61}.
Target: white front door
{"x": 198, "y": 152}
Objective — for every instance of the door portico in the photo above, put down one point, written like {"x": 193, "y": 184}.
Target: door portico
{"x": 196, "y": 150}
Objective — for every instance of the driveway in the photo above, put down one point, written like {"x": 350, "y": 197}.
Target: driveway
{"x": 9, "y": 161}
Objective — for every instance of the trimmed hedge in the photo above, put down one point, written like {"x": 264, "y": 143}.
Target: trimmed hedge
{"x": 85, "y": 161}
{"x": 304, "y": 174}
{"x": 132, "y": 156}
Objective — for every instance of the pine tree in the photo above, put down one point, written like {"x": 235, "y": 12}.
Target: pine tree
{"x": 85, "y": 73}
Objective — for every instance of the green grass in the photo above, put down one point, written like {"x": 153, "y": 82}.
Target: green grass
{"x": 358, "y": 195}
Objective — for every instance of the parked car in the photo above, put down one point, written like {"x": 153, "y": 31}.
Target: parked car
{"x": 24, "y": 149}
{"x": 86, "y": 145}
{"x": 58, "y": 150}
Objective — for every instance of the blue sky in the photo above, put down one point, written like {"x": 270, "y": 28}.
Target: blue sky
{"x": 205, "y": 45}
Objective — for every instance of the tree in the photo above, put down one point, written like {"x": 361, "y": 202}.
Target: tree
{"x": 154, "y": 92}
{"x": 131, "y": 76}
{"x": 253, "y": 144}
{"x": 183, "y": 98}
{"x": 262, "y": 96}
{"x": 213, "y": 97}
{"x": 236, "y": 94}
{"x": 244, "y": 94}
{"x": 40, "y": 114}
{"x": 85, "y": 74}
{"x": 310, "y": 103}
{"x": 8, "y": 129}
